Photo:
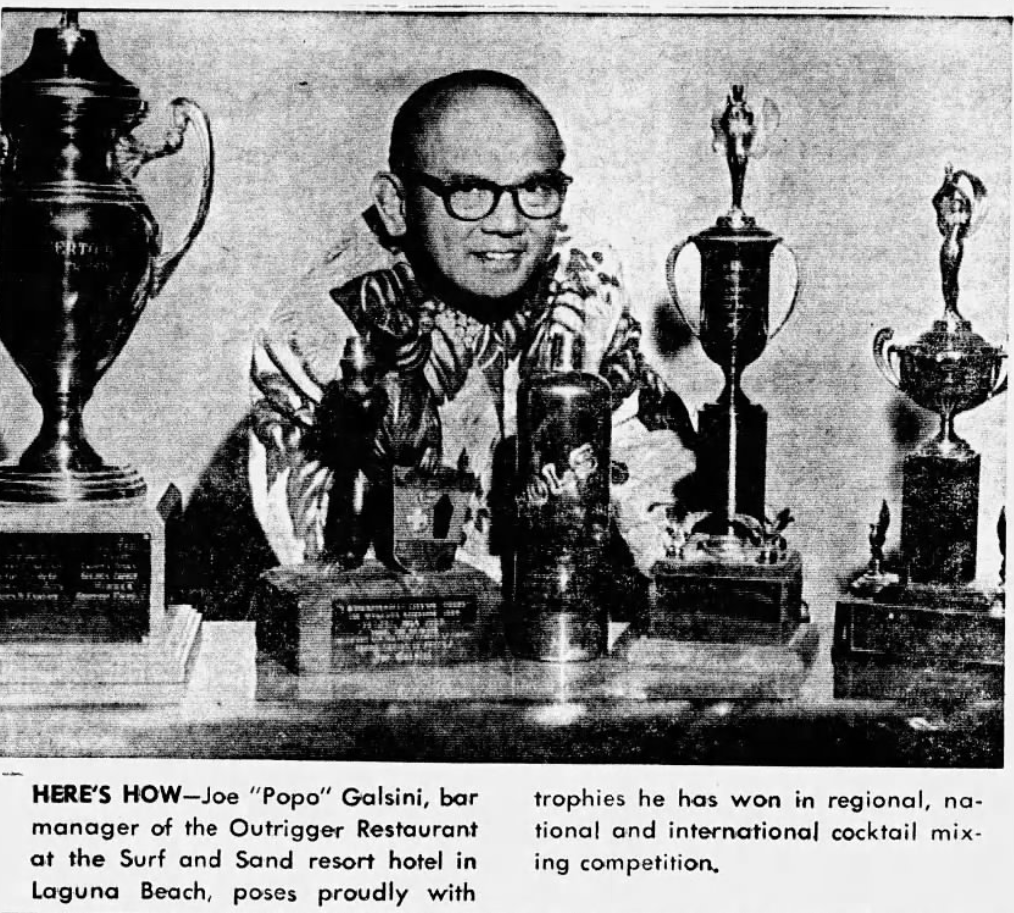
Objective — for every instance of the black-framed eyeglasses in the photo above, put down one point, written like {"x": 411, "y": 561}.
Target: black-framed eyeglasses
{"x": 472, "y": 199}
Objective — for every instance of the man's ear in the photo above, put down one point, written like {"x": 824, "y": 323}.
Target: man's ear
{"x": 389, "y": 197}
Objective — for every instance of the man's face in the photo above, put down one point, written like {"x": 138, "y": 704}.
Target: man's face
{"x": 490, "y": 135}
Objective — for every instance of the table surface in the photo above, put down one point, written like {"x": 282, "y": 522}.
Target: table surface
{"x": 652, "y": 703}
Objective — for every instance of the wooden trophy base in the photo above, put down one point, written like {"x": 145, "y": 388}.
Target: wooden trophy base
{"x": 82, "y": 606}
{"x": 321, "y": 619}
{"x": 711, "y": 598}
{"x": 919, "y": 642}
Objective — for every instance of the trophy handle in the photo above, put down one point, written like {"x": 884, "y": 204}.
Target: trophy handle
{"x": 670, "y": 277}
{"x": 883, "y": 348}
{"x": 798, "y": 285}
{"x": 1001, "y": 383}
{"x": 186, "y": 113}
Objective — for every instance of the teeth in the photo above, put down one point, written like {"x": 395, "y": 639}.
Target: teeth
{"x": 498, "y": 255}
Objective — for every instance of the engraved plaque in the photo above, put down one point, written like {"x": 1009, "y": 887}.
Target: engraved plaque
{"x": 919, "y": 635}
{"x": 74, "y": 586}
{"x": 390, "y": 632}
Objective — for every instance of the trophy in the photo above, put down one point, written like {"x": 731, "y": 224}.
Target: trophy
{"x": 82, "y": 565}
{"x": 930, "y": 616}
{"x": 410, "y": 602}
{"x": 948, "y": 370}
{"x": 82, "y": 252}
{"x": 734, "y": 564}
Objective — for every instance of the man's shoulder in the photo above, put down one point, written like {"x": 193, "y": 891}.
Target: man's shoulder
{"x": 360, "y": 248}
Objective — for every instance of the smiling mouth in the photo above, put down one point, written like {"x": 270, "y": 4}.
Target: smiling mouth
{"x": 499, "y": 257}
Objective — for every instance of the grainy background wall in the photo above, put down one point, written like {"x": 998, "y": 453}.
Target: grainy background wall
{"x": 872, "y": 109}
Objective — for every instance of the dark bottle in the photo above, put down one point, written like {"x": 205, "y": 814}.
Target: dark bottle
{"x": 348, "y": 421}
{"x": 564, "y": 425}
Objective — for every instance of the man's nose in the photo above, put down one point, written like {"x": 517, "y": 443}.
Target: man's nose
{"x": 505, "y": 219}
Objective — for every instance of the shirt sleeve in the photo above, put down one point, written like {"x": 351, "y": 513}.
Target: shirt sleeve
{"x": 294, "y": 357}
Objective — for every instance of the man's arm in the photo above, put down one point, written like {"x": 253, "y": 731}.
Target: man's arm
{"x": 288, "y": 485}
{"x": 295, "y": 357}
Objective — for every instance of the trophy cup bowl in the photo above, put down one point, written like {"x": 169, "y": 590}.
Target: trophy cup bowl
{"x": 734, "y": 314}
{"x": 82, "y": 252}
{"x": 947, "y": 381}
{"x": 64, "y": 323}
{"x": 951, "y": 381}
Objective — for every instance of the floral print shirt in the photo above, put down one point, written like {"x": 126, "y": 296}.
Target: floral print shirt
{"x": 365, "y": 286}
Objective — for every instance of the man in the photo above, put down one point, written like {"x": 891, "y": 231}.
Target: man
{"x": 460, "y": 270}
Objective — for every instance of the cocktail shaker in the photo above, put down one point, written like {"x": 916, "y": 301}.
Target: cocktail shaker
{"x": 564, "y": 426}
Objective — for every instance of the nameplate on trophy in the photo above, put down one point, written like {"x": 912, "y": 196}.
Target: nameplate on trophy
{"x": 74, "y": 586}
{"x": 378, "y": 632}
{"x": 919, "y": 635}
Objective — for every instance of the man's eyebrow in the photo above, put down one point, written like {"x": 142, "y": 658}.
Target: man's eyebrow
{"x": 464, "y": 178}
{"x": 457, "y": 177}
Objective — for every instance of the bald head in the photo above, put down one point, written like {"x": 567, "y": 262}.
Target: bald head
{"x": 472, "y": 132}
{"x": 468, "y": 98}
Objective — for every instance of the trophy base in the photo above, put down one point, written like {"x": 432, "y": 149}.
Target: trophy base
{"x": 726, "y": 599}
{"x": 873, "y": 680}
{"x": 918, "y": 642}
{"x": 153, "y": 671}
{"x": 82, "y": 605}
{"x": 319, "y": 619}
{"x": 110, "y": 484}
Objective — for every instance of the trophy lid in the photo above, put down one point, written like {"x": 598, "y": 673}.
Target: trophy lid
{"x": 725, "y": 232}
{"x": 950, "y": 339}
{"x": 65, "y": 62}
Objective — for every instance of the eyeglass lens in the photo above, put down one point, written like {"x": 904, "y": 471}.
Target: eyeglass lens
{"x": 537, "y": 200}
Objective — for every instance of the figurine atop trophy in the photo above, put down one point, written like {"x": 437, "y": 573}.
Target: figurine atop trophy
{"x": 999, "y": 606}
{"x": 742, "y": 135}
